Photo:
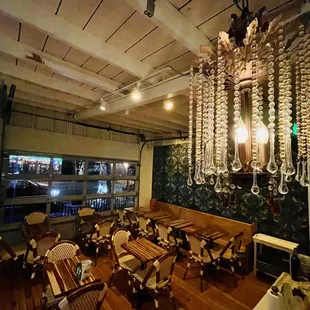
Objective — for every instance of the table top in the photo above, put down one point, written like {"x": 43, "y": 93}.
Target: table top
{"x": 155, "y": 216}
{"x": 211, "y": 233}
{"x": 144, "y": 250}
{"x": 276, "y": 243}
{"x": 136, "y": 210}
{"x": 35, "y": 230}
{"x": 178, "y": 224}
{"x": 61, "y": 275}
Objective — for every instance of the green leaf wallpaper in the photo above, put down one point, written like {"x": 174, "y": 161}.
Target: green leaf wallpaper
{"x": 287, "y": 218}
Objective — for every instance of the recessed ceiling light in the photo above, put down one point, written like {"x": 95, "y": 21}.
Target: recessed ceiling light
{"x": 168, "y": 105}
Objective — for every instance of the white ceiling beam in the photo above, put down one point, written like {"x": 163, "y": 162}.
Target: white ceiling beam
{"x": 45, "y": 92}
{"x": 34, "y": 56}
{"x": 175, "y": 23}
{"x": 32, "y": 14}
{"x": 39, "y": 105}
{"x": 170, "y": 88}
{"x": 44, "y": 80}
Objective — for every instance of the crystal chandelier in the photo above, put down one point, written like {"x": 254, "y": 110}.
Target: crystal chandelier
{"x": 247, "y": 60}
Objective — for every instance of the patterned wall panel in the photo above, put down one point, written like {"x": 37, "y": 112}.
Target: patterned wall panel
{"x": 287, "y": 218}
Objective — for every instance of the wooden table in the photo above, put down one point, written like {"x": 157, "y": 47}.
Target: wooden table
{"x": 211, "y": 233}
{"x": 97, "y": 217}
{"x": 155, "y": 216}
{"x": 61, "y": 275}
{"x": 136, "y": 210}
{"x": 144, "y": 250}
{"x": 35, "y": 230}
{"x": 178, "y": 224}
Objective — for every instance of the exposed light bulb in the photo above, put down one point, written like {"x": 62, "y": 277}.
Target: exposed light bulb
{"x": 262, "y": 134}
{"x": 242, "y": 132}
{"x": 136, "y": 94}
{"x": 103, "y": 105}
{"x": 168, "y": 105}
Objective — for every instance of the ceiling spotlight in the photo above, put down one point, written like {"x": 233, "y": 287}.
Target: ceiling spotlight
{"x": 168, "y": 105}
{"x": 136, "y": 94}
{"x": 103, "y": 105}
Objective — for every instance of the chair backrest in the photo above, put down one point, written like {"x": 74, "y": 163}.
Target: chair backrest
{"x": 132, "y": 217}
{"x": 89, "y": 297}
{"x": 41, "y": 244}
{"x": 86, "y": 211}
{"x": 197, "y": 246}
{"x": 162, "y": 231}
{"x": 234, "y": 244}
{"x": 35, "y": 218}
{"x": 104, "y": 228}
{"x": 163, "y": 268}
{"x": 143, "y": 222}
{"x": 5, "y": 246}
{"x": 119, "y": 237}
{"x": 121, "y": 215}
{"x": 62, "y": 250}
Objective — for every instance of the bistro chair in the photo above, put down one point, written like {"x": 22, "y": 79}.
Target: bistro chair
{"x": 101, "y": 235}
{"x": 85, "y": 228}
{"x": 165, "y": 238}
{"x": 35, "y": 218}
{"x": 37, "y": 248}
{"x": 123, "y": 220}
{"x": 157, "y": 277}
{"x": 62, "y": 250}
{"x": 198, "y": 253}
{"x": 229, "y": 256}
{"x": 144, "y": 229}
{"x": 132, "y": 219}
{"x": 123, "y": 260}
{"x": 89, "y": 297}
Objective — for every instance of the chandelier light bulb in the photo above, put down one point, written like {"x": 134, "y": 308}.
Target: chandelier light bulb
{"x": 168, "y": 105}
{"x": 242, "y": 132}
{"x": 262, "y": 134}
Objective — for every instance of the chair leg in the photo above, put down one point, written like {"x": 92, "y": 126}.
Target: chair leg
{"x": 172, "y": 297}
{"x": 185, "y": 273}
{"x": 201, "y": 279}
{"x": 112, "y": 276}
{"x": 156, "y": 302}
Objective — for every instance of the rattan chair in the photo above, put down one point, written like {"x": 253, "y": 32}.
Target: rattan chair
{"x": 89, "y": 297}
{"x": 165, "y": 238}
{"x": 157, "y": 277}
{"x": 37, "y": 249}
{"x": 84, "y": 228}
{"x": 11, "y": 253}
{"x": 101, "y": 235}
{"x": 144, "y": 229}
{"x": 229, "y": 256}
{"x": 123, "y": 220}
{"x": 132, "y": 219}
{"x": 35, "y": 218}
{"x": 123, "y": 260}
{"x": 62, "y": 250}
{"x": 199, "y": 253}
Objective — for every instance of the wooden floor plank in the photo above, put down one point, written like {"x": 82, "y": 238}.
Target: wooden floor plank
{"x": 219, "y": 291}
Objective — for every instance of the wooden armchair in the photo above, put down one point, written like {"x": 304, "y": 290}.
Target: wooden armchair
{"x": 132, "y": 219}
{"x": 228, "y": 256}
{"x": 101, "y": 235}
{"x": 89, "y": 297}
{"x": 199, "y": 253}
{"x": 84, "y": 228}
{"x": 123, "y": 260}
{"x": 144, "y": 229}
{"x": 157, "y": 277}
{"x": 35, "y": 218}
{"x": 165, "y": 238}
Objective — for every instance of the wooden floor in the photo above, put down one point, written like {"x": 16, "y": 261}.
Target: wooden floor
{"x": 219, "y": 291}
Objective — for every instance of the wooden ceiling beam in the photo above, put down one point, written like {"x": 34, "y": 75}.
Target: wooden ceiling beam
{"x": 39, "y": 105}
{"x": 45, "y": 92}
{"x": 172, "y": 87}
{"x": 34, "y": 15}
{"x": 34, "y": 56}
{"x": 175, "y": 23}
{"x": 44, "y": 80}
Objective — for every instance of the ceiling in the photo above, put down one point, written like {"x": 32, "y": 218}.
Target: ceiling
{"x": 67, "y": 54}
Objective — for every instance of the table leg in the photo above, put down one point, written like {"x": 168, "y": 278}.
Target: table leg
{"x": 290, "y": 262}
{"x": 255, "y": 257}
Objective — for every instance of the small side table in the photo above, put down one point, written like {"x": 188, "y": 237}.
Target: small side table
{"x": 276, "y": 243}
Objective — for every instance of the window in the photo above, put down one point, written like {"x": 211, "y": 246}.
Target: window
{"x": 99, "y": 187}
{"x": 99, "y": 205}
{"x": 65, "y": 208}
{"x": 125, "y": 169}
{"x": 124, "y": 202}
{"x": 29, "y": 165}
{"x": 17, "y": 213}
{"x": 99, "y": 168}
{"x": 67, "y": 188}
{"x": 121, "y": 186}
{"x": 22, "y": 188}
{"x": 61, "y": 185}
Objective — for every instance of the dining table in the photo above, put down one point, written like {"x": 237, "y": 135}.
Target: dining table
{"x": 211, "y": 233}
{"x": 144, "y": 250}
{"x": 62, "y": 275}
{"x": 177, "y": 224}
{"x": 156, "y": 216}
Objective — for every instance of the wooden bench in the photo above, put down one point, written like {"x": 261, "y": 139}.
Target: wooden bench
{"x": 201, "y": 219}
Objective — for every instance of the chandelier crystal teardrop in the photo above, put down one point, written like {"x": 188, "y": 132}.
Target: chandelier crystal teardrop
{"x": 247, "y": 76}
